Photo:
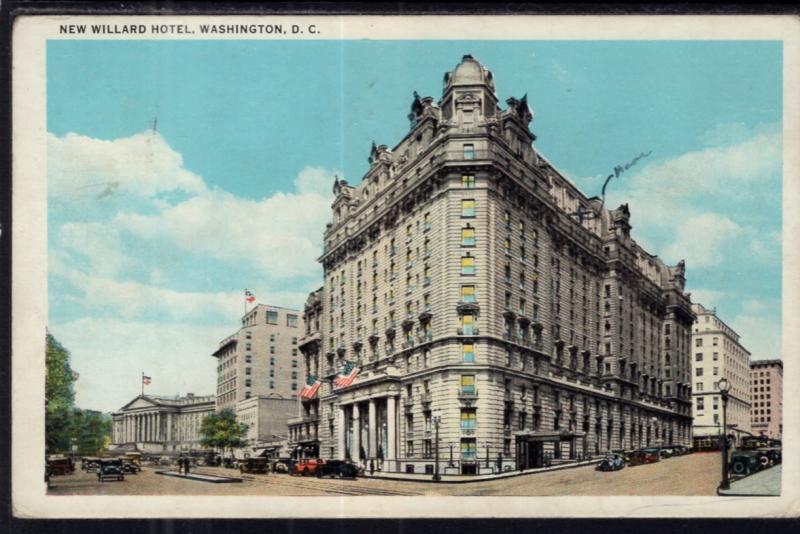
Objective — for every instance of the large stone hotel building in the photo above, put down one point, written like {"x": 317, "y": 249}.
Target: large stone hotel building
{"x": 496, "y": 314}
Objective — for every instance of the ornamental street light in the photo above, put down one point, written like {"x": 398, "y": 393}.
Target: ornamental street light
{"x": 654, "y": 420}
{"x": 436, "y": 420}
{"x": 724, "y": 386}
{"x": 487, "y": 455}
{"x": 451, "y": 456}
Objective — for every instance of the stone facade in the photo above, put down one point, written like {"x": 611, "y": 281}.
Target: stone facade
{"x": 259, "y": 372}
{"x": 161, "y": 424}
{"x": 766, "y": 398}
{"x": 491, "y": 307}
{"x": 717, "y": 353}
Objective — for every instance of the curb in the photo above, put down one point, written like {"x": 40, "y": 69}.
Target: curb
{"x": 478, "y": 478}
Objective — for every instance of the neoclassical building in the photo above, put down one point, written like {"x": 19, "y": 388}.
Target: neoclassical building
{"x": 157, "y": 424}
{"x": 476, "y": 290}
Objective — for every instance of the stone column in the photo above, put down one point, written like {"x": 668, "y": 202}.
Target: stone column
{"x": 355, "y": 444}
{"x": 169, "y": 427}
{"x": 159, "y": 423}
{"x": 391, "y": 426}
{"x": 373, "y": 430}
{"x": 340, "y": 434}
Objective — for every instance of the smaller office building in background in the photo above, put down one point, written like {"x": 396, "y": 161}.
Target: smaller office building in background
{"x": 717, "y": 353}
{"x": 258, "y": 373}
{"x": 766, "y": 394}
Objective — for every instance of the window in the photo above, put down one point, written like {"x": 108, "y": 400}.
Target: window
{"x": 294, "y": 363}
{"x": 716, "y": 356}
{"x": 700, "y": 403}
{"x": 468, "y": 293}
{"x": 468, "y": 419}
{"x": 469, "y": 151}
{"x": 272, "y": 349}
{"x": 468, "y": 449}
{"x": 716, "y": 371}
{"x": 247, "y": 370}
{"x": 468, "y": 208}
{"x": 468, "y": 352}
{"x": 714, "y": 342}
{"x": 698, "y": 357}
{"x": 698, "y": 386}
{"x": 468, "y": 181}
{"x": 272, "y": 373}
{"x": 272, "y": 317}
{"x": 468, "y": 237}
{"x": 272, "y": 361}
{"x": 698, "y": 371}
{"x": 467, "y": 265}
{"x": 271, "y": 384}
{"x": 698, "y": 342}
{"x": 468, "y": 325}
{"x": 248, "y": 382}
{"x": 468, "y": 384}
{"x": 294, "y": 376}
{"x": 291, "y": 320}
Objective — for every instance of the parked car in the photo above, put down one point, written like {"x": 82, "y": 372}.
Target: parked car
{"x": 669, "y": 451}
{"x": 282, "y": 465}
{"x": 643, "y": 456}
{"x": 90, "y": 463}
{"x": 306, "y": 467}
{"x": 626, "y": 455}
{"x": 337, "y": 469}
{"x": 744, "y": 463}
{"x": 129, "y": 466}
{"x": 612, "y": 462}
{"x": 254, "y": 465}
{"x": 110, "y": 468}
{"x": 60, "y": 466}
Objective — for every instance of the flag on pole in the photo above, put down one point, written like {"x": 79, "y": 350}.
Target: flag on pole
{"x": 311, "y": 387}
{"x": 347, "y": 375}
{"x": 248, "y": 296}
{"x": 145, "y": 380}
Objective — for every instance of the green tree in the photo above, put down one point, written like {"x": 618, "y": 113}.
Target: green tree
{"x": 90, "y": 430}
{"x": 222, "y": 431}
{"x": 59, "y": 397}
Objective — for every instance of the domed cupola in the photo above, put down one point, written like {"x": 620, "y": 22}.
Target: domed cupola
{"x": 469, "y": 96}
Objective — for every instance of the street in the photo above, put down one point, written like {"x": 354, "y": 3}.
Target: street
{"x": 694, "y": 474}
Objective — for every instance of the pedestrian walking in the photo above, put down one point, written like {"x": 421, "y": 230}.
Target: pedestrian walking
{"x": 186, "y": 464}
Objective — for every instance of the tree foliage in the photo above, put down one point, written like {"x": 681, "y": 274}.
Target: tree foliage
{"x": 59, "y": 397}
{"x": 222, "y": 431}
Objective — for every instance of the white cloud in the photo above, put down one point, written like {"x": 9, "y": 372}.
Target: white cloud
{"x": 281, "y": 234}
{"x": 110, "y": 354}
{"x": 760, "y": 334}
{"x": 702, "y": 240}
{"x": 141, "y": 165}
{"x": 709, "y": 298}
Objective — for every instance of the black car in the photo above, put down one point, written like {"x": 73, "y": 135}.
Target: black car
{"x": 337, "y": 469}
{"x": 110, "y": 469}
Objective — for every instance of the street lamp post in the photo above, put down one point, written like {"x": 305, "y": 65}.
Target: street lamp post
{"x": 451, "y": 455}
{"x": 724, "y": 386}
{"x": 487, "y": 455}
{"x": 654, "y": 420}
{"x": 436, "y": 420}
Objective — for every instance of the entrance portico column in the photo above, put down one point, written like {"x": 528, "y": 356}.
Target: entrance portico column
{"x": 341, "y": 431}
{"x": 391, "y": 426}
{"x": 355, "y": 452}
{"x": 373, "y": 430}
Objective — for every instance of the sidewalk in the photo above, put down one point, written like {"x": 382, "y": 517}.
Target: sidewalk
{"x": 461, "y": 479}
{"x": 764, "y": 483}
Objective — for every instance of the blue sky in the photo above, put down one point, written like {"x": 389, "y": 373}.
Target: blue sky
{"x": 153, "y": 235}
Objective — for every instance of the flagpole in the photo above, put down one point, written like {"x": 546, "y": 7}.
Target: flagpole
{"x": 142, "y": 383}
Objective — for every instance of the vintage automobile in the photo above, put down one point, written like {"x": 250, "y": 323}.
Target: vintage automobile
{"x": 90, "y": 463}
{"x": 306, "y": 467}
{"x": 258, "y": 465}
{"x": 337, "y": 469}
{"x": 643, "y": 456}
{"x": 745, "y": 462}
{"x": 110, "y": 468}
{"x": 129, "y": 466}
{"x": 282, "y": 465}
{"x": 612, "y": 462}
{"x": 668, "y": 451}
{"x": 60, "y": 465}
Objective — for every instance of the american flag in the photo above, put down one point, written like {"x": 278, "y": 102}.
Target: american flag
{"x": 347, "y": 376}
{"x": 145, "y": 380}
{"x": 248, "y": 296}
{"x": 311, "y": 387}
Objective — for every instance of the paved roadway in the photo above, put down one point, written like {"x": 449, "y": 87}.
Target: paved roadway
{"x": 695, "y": 474}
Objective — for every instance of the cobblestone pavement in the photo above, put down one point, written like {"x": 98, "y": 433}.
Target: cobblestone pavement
{"x": 696, "y": 474}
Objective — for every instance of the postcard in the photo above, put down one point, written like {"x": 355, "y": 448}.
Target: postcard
{"x": 429, "y": 266}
